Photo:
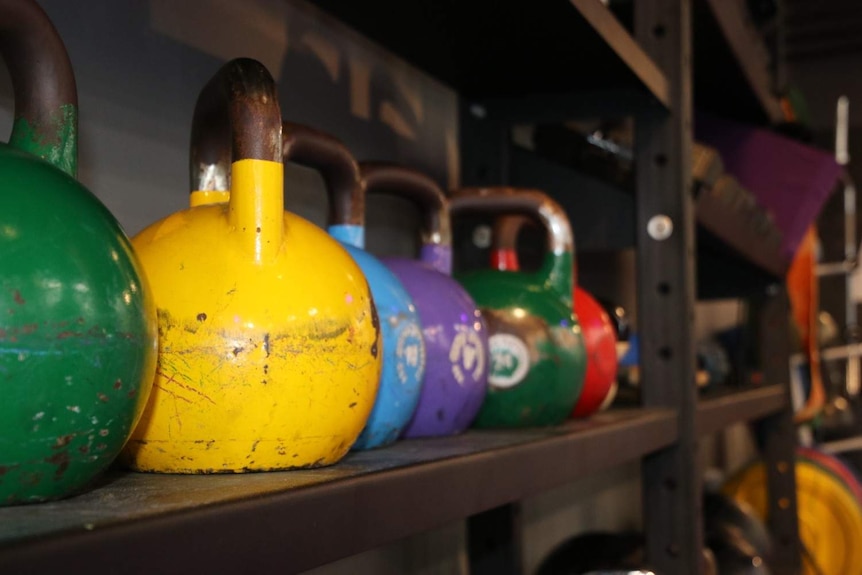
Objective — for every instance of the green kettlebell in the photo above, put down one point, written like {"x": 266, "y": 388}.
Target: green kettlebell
{"x": 538, "y": 358}
{"x": 78, "y": 329}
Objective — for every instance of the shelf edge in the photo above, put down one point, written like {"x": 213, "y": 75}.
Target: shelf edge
{"x": 626, "y": 47}
{"x": 718, "y": 413}
{"x": 734, "y": 28}
{"x": 299, "y": 529}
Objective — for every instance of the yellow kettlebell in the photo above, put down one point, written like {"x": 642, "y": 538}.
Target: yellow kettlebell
{"x": 269, "y": 356}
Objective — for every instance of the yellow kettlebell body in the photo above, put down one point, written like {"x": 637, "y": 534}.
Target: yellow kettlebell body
{"x": 269, "y": 355}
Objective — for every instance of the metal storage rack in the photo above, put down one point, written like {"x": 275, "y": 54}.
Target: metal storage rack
{"x": 510, "y": 62}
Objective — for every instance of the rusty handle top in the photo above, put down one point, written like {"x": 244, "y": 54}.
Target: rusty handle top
{"x": 413, "y": 185}
{"x": 506, "y": 230}
{"x": 236, "y": 145}
{"x": 329, "y": 156}
{"x": 558, "y": 268}
{"x": 504, "y": 200}
{"x": 46, "y": 97}
{"x": 504, "y": 252}
{"x": 236, "y": 117}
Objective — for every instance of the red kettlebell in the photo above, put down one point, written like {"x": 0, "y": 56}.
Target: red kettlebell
{"x": 596, "y": 326}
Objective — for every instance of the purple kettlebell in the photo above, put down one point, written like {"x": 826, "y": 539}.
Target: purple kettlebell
{"x": 456, "y": 339}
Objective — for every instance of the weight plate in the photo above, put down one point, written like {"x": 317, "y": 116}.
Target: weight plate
{"x": 732, "y": 524}
{"x": 833, "y": 465}
{"x": 830, "y": 518}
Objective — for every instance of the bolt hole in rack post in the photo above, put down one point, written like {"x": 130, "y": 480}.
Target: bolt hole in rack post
{"x": 511, "y": 63}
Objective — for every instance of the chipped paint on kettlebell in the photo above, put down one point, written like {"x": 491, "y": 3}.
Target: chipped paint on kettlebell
{"x": 53, "y": 143}
{"x": 401, "y": 346}
{"x": 269, "y": 336}
{"x": 537, "y": 350}
{"x": 78, "y": 317}
{"x": 313, "y": 346}
{"x": 67, "y": 338}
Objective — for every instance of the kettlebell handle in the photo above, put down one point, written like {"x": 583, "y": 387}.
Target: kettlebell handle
{"x": 328, "y": 155}
{"x": 505, "y": 242}
{"x": 559, "y": 265}
{"x": 239, "y": 107}
{"x": 236, "y": 144}
{"x": 423, "y": 191}
{"x": 46, "y": 97}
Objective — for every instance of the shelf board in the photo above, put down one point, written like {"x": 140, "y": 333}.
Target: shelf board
{"x": 715, "y": 414}
{"x": 485, "y": 48}
{"x": 723, "y": 272}
{"x": 732, "y": 75}
{"x": 289, "y": 522}
{"x": 733, "y": 257}
{"x": 732, "y": 228}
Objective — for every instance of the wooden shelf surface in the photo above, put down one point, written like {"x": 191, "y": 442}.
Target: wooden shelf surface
{"x": 289, "y": 522}
{"x": 716, "y": 413}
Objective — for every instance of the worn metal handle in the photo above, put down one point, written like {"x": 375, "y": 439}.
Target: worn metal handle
{"x": 427, "y": 195}
{"x": 329, "y": 156}
{"x": 415, "y": 186}
{"x": 504, "y": 200}
{"x": 558, "y": 268}
{"x": 236, "y": 143}
{"x": 236, "y": 117}
{"x": 46, "y": 97}
{"x": 504, "y": 255}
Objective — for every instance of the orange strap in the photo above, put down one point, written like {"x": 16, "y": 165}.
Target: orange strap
{"x": 802, "y": 287}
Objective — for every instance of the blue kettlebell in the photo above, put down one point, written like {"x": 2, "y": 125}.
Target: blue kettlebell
{"x": 403, "y": 343}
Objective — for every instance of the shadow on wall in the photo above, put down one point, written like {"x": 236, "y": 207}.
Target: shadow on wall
{"x": 140, "y": 66}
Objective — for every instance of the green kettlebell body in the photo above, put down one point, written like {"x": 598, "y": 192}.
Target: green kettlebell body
{"x": 538, "y": 359}
{"x": 76, "y": 335}
{"x": 78, "y": 332}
